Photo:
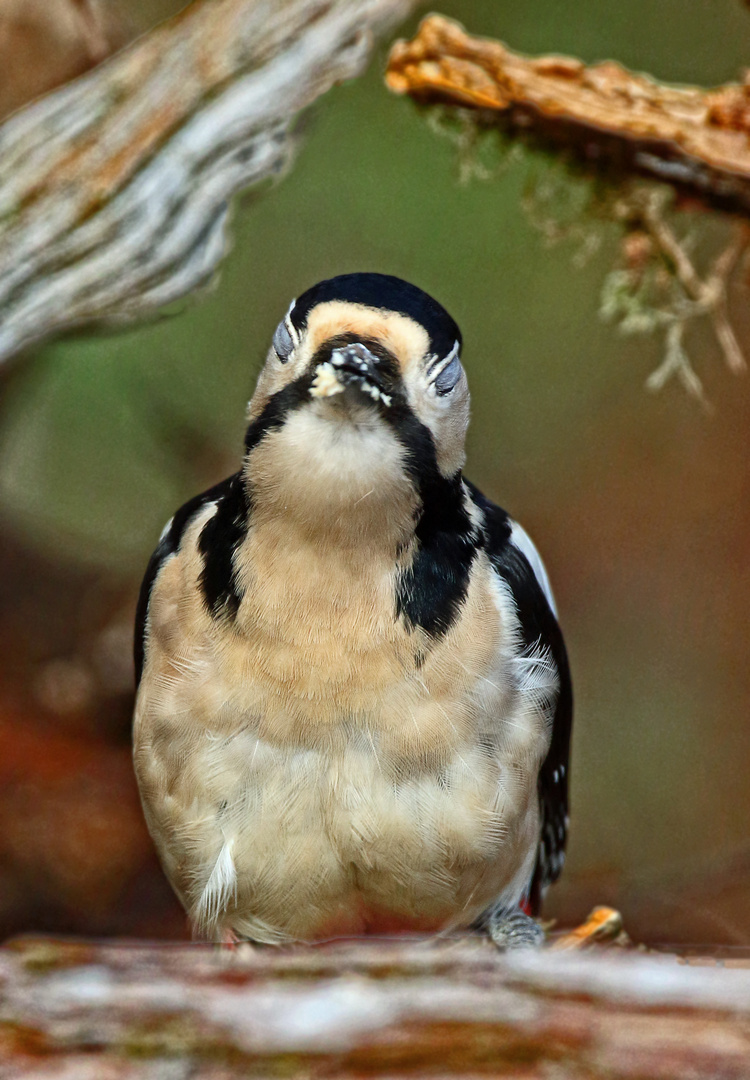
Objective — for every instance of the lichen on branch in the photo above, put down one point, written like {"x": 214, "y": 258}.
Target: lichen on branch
{"x": 649, "y": 146}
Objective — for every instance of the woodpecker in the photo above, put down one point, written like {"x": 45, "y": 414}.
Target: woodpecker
{"x": 354, "y": 705}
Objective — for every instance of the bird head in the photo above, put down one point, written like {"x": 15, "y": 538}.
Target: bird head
{"x": 362, "y": 389}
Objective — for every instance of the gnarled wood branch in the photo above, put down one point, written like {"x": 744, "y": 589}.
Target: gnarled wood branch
{"x": 114, "y": 190}
{"x": 695, "y": 139}
{"x": 45, "y": 43}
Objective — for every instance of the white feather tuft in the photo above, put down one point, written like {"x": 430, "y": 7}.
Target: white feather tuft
{"x": 220, "y": 889}
{"x": 538, "y": 680}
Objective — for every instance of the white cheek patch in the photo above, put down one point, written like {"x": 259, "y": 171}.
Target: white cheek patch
{"x": 521, "y": 540}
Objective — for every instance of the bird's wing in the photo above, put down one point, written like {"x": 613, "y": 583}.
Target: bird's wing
{"x": 169, "y": 543}
{"x": 516, "y": 561}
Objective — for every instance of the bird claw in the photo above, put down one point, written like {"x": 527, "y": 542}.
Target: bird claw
{"x": 510, "y": 930}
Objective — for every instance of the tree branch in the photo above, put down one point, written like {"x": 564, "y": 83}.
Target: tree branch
{"x": 343, "y": 1010}
{"x": 694, "y": 139}
{"x": 620, "y": 126}
{"x": 114, "y": 190}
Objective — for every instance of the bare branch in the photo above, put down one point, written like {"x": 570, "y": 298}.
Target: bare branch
{"x": 692, "y": 138}
{"x": 114, "y": 190}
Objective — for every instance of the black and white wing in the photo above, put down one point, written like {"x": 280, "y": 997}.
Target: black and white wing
{"x": 219, "y": 536}
{"x": 516, "y": 560}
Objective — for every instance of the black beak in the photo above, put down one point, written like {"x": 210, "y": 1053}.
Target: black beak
{"x": 357, "y": 361}
{"x": 368, "y": 372}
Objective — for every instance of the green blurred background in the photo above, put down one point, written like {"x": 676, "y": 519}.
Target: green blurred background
{"x": 638, "y": 502}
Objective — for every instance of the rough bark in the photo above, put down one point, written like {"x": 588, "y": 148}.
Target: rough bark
{"x": 695, "y": 139}
{"x": 114, "y": 190}
{"x": 453, "y": 1008}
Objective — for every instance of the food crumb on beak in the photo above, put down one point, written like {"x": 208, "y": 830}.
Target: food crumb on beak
{"x": 377, "y": 395}
{"x": 326, "y": 382}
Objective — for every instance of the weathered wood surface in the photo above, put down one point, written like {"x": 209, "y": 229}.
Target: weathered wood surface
{"x": 114, "y": 190}
{"x": 696, "y": 139}
{"x": 454, "y": 1008}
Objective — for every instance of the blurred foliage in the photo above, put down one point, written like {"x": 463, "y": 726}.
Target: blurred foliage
{"x": 639, "y": 503}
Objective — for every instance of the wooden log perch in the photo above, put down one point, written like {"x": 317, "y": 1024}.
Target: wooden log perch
{"x": 695, "y": 139}
{"x": 114, "y": 190}
{"x": 453, "y": 1008}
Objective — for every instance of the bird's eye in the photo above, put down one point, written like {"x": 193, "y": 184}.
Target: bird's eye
{"x": 449, "y": 375}
{"x": 283, "y": 342}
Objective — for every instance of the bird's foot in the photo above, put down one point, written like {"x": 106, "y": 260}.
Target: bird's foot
{"x": 604, "y": 924}
{"x": 514, "y": 930}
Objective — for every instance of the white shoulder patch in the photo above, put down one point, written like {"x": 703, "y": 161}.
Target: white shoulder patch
{"x": 521, "y": 539}
{"x": 166, "y": 529}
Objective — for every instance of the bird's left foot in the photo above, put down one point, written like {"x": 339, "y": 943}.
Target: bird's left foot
{"x": 604, "y": 925}
{"x": 514, "y": 930}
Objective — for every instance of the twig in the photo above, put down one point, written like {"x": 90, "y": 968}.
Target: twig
{"x": 676, "y": 362}
{"x": 706, "y": 296}
{"x": 717, "y": 285}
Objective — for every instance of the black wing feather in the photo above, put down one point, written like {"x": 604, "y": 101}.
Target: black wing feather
{"x": 538, "y": 626}
{"x": 168, "y": 545}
